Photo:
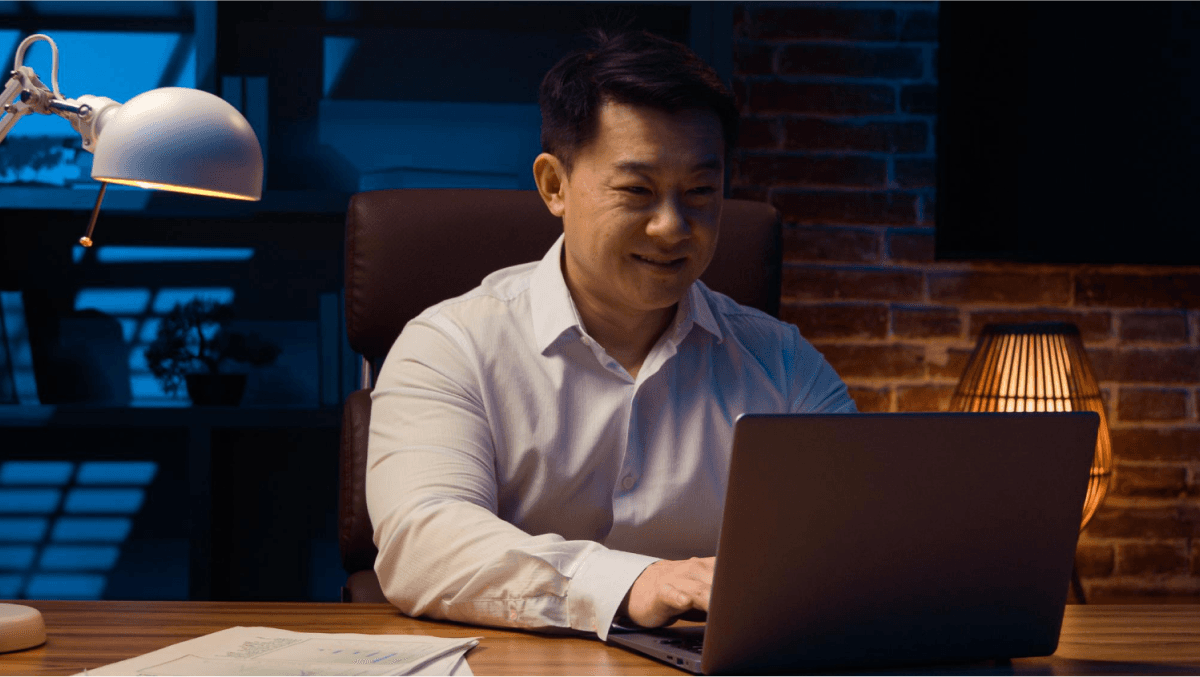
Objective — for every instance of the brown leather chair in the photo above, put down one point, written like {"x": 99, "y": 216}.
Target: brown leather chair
{"x": 409, "y": 249}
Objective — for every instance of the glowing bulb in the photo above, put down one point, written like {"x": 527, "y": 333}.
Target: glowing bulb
{"x": 176, "y": 189}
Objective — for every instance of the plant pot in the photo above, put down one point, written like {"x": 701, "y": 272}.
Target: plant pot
{"x": 216, "y": 390}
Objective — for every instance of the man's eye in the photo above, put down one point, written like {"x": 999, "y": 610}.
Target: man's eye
{"x": 636, "y": 190}
{"x": 704, "y": 190}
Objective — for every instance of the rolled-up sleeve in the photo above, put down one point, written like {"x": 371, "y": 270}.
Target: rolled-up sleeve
{"x": 432, "y": 496}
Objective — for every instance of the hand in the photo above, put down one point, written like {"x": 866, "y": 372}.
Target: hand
{"x": 668, "y": 589}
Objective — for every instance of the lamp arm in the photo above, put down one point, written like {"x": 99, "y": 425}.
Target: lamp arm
{"x": 24, "y": 93}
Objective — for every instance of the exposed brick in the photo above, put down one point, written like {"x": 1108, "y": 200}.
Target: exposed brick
{"x": 805, "y": 170}
{"x": 924, "y": 398}
{"x": 1147, "y": 590}
{"x": 873, "y": 62}
{"x": 927, "y": 208}
{"x": 910, "y": 244}
{"x": 773, "y": 23}
{"x": 1138, "y": 291}
{"x": 837, "y": 320}
{"x": 1175, "y": 445}
{"x": 972, "y": 286}
{"x": 757, "y": 133}
{"x": 1094, "y": 560}
{"x": 872, "y": 399}
{"x": 874, "y": 361}
{"x": 1155, "y": 327}
{"x": 828, "y": 283}
{"x": 1094, "y": 326}
{"x": 1139, "y": 559}
{"x": 915, "y": 173}
{"x": 753, "y": 58}
{"x": 851, "y": 245}
{"x": 833, "y": 135}
{"x": 741, "y": 93}
{"x": 919, "y": 99}
{"x": 849, "y": 208}
{"x": 1163, "y": 365}
{"x": 919, "y": 26}
{"x": 1154, "y": 481}
{"x": 782, "y": 96}
{"x": 926, "y": 322}
{"x": 1152, "y": 404}
{"x": 1141, "y": 523}
{"x": 955, "y": 365}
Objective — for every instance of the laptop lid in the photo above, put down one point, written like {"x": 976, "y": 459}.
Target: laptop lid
{"x": 870, "y": 539}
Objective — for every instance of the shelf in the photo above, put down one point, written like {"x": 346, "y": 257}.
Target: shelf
{"x": 19, "y": 416}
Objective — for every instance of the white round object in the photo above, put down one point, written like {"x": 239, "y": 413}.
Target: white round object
{"x": 187, "y": 140}
{"x": 21, "y": 627}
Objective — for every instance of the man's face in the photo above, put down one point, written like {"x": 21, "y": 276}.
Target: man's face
{"x": 641, "y": 208}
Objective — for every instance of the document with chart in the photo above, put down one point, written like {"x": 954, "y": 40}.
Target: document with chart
{"x": 269, "y": 651}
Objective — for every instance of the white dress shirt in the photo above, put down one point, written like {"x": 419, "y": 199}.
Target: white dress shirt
{"x": 517, "y": 475}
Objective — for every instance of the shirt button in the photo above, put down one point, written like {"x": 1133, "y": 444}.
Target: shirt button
{"x": 627, "y": 482}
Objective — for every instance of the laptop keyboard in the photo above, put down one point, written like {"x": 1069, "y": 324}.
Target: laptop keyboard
{"x": 693, "y": 644}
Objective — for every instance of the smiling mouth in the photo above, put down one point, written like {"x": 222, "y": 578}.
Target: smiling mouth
{"x": 661, "y": 264}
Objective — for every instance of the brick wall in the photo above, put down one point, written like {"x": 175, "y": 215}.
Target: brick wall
{"x": 838, "y": 104}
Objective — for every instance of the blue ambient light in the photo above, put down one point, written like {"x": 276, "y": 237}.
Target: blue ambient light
{"x": 78, "y": 558}
{"x": 90, "y": 529}
{"x": 35, "y": 472}
{"x": 117, "y": 472}
{"x": 114, "y": 301}
{"x": 107, "y": 501}
{"x": 29, "y": 501}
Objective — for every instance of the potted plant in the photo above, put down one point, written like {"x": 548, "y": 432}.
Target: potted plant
{"x": 193, "y": 341}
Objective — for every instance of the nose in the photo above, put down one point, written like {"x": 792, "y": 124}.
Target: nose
{"x": 670, "y": 225}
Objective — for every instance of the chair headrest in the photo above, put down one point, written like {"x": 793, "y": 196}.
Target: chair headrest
{"x": 407, "y": 250}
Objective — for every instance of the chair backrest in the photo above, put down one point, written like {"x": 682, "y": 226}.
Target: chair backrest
{"x": 409, "y": 249}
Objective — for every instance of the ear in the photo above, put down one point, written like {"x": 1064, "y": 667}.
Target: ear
{"x": 551, "y": 179}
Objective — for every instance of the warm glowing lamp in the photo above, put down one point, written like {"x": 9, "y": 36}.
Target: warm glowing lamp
{"x": 1038, "y": 367}
{"x": 173, "y": 138}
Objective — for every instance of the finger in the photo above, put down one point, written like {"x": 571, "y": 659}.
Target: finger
{"x": 686, "y": 595}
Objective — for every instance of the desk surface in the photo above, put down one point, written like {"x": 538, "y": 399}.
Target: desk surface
{"x": 1100, "y": 639}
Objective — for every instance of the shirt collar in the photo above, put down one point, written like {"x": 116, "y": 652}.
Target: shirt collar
{"x": 555, "y": 313}
{"x": 694, "y": 309}
{"x": 550, "y": 301}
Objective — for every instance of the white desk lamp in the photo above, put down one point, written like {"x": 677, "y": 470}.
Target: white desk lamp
{"x": 173, "y": 138}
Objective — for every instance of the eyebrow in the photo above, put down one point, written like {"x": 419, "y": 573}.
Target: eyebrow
{"x": 645, "y": 167}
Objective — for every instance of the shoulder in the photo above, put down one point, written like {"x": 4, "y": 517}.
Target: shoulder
{"x": 501, "y": 292}
{"x": 746, "y": 325}
{"x": 775, "y": 345}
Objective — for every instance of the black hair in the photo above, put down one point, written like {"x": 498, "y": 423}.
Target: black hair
{"x": 635, "y": 68}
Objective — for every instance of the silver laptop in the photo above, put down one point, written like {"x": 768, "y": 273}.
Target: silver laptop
{"x": 867, "y": 540}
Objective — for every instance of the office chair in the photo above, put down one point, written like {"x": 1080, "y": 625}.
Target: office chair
{"x": 409, "y": 249}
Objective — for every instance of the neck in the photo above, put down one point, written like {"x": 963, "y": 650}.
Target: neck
{"x": 626, "y": 336}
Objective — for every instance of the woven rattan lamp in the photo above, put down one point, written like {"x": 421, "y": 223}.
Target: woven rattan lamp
{"x": 1038, "y": 367}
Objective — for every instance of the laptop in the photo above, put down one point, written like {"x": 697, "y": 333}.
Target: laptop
{"x": 869, "y": 540}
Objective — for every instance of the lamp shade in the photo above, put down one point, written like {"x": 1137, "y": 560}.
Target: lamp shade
{"x": 183, "y": 140}
{"x": 1038, "y": 367}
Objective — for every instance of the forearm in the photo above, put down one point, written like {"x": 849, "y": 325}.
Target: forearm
{"x": 455, "y": 560}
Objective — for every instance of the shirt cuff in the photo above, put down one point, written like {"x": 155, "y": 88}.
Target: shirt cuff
{"x": 598, "y": 587}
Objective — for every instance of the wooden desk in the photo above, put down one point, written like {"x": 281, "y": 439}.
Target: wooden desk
{"x": 1116, "y": 639}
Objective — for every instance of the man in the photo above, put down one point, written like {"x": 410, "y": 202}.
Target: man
{"x": 551, "y": 449}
